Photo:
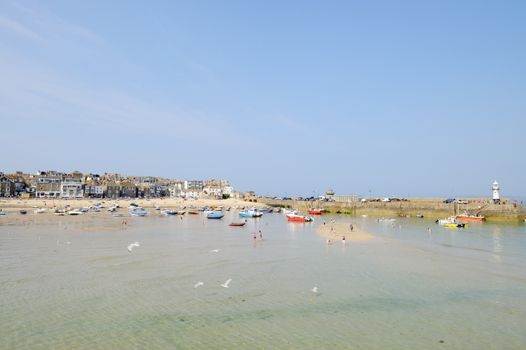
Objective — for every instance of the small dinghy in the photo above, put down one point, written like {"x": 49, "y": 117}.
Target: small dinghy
{"x": 237, "y": 224}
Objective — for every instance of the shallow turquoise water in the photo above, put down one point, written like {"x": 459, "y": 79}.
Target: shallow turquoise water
{"x": 407, "y": 289}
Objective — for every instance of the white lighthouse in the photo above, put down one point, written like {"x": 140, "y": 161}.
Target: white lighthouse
{"x": 496, "y": 192}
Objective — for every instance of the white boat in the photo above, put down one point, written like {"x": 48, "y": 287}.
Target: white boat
{"x": 251, "y": 213}
{"x": 40, "y": 210}
{"x": 75, "y": 212}
{"x": 289, "y": 211}
{"x": 450, "y": 220}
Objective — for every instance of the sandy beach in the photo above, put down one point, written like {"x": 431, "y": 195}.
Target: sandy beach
{"x": 335, "y": 231}
{"x": 50, "y": 203}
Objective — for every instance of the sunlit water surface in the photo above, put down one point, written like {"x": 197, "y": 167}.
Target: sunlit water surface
{"x": 70, "y": 283}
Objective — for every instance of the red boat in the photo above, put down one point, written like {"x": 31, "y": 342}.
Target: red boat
{"x": 237, "y": 224}
{"x": 468, "y": 217}
{"x": 313, "y": 211}
{"x": 298, "y": 218}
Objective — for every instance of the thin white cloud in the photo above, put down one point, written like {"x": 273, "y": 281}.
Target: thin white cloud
{"x": 17, "y": 28}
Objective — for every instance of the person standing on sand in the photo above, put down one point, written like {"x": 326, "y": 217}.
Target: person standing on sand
{"x": 260, "y": 235}
{"x": 254, "y": 236}
{"x": 352, "y": 227}
{"x": 343, "y": 239}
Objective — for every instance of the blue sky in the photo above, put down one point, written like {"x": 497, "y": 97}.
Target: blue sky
{"x": 403, "y": 98}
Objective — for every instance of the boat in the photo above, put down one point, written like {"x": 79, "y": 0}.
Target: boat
{"x": 2, "y": 212}
{"x": 181, "y": 212}
{"x": 40, "y": 210}
{"x": 298, "y": 218}
{"x": 237, "y": 224}
{"x": 449, "y": 220}
{"x": 170, "y": 212}
{"x": 276, "y": 210}
{"x": 469, "y": 217}
{"x": 83, "y": 210}
{"x": 138, "y": 212}
{"x": 313, "y": 211}
{"x": 23, "y": 212}
{"x": 193, "y": 212}
{"x": 419, "y": 216}
{"x": 75, "y": 212}
{"x": 213, "y": 215}
{"x": 289, "y": 211}
{"x": 251, "y": 213}
{"x": 455, "y": 225}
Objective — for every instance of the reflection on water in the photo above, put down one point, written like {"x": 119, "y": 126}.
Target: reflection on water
{"x": 71, "y": 283}
{"x": 497, "y": 246}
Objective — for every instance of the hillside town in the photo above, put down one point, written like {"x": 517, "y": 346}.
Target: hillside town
{"x": 55, "y": 184}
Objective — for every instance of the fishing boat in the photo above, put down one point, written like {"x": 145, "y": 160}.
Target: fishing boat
{"x": 469, "y": 217}
{"x": 237, "y": 224}
{"x": 139, "y": 212}
{"x": 298, "y": 218}
{"x": 251, "y": 213}
{"x": 214, "y": 216}
{"x": 315, "y": 211}
{"x": 170, "y": 212}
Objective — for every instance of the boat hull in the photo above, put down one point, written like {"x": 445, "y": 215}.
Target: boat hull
{"x": 298, "y": 218}
{"x": 315, "y": 211}
{"x": 215, "y": 216}
{"x": 471, "y": 218}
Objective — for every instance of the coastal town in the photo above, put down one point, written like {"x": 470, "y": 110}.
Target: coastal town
{"x": 76, "y": 185}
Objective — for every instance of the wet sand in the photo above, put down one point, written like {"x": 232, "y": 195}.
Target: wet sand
{"x": 335, "y": 231}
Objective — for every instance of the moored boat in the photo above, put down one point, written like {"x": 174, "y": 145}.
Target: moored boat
{"x": 170, "y": 212}
{"x": 316, "y": 211}
{"x": 23, "y": 212}
{"x": 251, "y": 213}
{"x": 75, "y": 212}
{"x": 298, "y": 218}
{"x": 214, "y": 215}
{"x": 455, "y": 225}
{"x": 237, "y": 224}
{"x": 40, "y": 210}
{"x": 139, "y": 212}
{"x": 469, "y": 217}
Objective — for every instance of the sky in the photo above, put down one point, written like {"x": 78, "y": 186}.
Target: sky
{"x": 388, "y": 98}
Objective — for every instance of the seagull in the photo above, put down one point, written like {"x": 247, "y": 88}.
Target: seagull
{"x": 215, "y": 250}
{"x": 131, "y": 246}
{"x": 198, "y": 284}
{"x": 225, "y": 285}
{"x": 314, "y": 290}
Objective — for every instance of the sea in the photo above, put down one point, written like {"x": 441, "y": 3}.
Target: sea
{"x": 72, "y": 283}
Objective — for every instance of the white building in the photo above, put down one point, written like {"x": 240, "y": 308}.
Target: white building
{"x": 71, "y": 188}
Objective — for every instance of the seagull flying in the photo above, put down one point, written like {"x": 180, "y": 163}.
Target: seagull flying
{"x": 198, "y": 284}
{"x": 225, "y": 285}
{"x": 131, "y": 246}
